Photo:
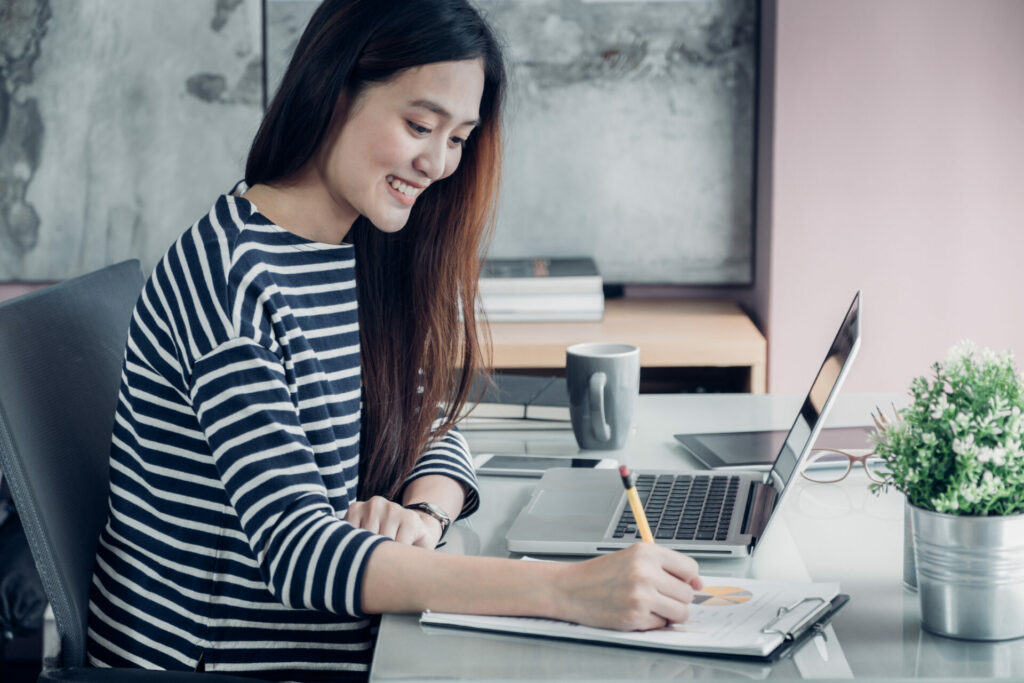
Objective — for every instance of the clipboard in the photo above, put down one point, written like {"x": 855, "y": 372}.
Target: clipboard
{"x": 807, "y": 628}
{"x": 792, "y": 635}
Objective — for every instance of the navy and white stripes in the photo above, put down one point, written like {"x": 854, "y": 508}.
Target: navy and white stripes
{"x": 234, "y": 459}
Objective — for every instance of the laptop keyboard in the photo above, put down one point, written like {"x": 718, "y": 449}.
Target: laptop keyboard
{"x": 683, "y": 507}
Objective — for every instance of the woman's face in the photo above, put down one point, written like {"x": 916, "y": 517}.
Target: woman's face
{"x": 400, "y": 137}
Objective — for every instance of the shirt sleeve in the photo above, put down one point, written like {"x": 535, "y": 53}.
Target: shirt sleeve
{"x": 308, "y": 557}
{"x": 449, "y": 456}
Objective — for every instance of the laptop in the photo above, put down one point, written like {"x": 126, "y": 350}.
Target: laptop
{"x": 699, "y": 512}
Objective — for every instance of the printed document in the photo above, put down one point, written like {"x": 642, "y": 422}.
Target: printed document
{"x": 731, "y": 616}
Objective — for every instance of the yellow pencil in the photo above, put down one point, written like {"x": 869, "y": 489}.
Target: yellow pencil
{"x": 636, "y": 505}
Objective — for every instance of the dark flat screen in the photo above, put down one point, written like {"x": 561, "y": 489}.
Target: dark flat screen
{"x": 758, "y": 449}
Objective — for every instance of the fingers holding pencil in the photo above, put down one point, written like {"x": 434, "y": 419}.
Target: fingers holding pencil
{"x": 680, "y": 577}
{"x": 643, "y": 587}
{"x": 686, "y": 567}
{"x": 636, "y": 505}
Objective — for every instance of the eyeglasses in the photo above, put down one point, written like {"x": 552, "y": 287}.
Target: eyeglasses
{"x": 834, "y": 502}
{"x": 829, "y": 465}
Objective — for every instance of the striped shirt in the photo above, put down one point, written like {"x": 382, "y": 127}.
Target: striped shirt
{"x": 234, "y": 459}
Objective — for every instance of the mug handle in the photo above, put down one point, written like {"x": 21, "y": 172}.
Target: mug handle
{"x": 598, "y": 425}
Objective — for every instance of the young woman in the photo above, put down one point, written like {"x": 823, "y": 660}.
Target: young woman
{"x": 279, "y": 472}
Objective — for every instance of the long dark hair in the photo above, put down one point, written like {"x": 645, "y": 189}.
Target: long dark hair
{"x": 417, "y": 286}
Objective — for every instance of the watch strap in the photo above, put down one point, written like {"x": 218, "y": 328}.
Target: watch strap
{"x": 435, "y": 511}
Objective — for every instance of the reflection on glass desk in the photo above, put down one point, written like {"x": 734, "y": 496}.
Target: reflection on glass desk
{"x": 827, "y": 532}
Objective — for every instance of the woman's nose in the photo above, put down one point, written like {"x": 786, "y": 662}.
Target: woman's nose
{"x": 431, "y": 160}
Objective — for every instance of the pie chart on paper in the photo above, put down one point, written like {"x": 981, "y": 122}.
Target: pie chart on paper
{"x": 721, "y": 596}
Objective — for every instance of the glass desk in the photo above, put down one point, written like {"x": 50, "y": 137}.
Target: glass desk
{"x": 828, "y": 532}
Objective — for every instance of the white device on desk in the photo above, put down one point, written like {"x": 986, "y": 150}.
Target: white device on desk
{"x": 585, "y": 512}
{"x": 526, "y": 465}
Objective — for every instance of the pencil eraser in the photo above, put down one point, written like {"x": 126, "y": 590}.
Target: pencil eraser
{"x": 623, "y": 470}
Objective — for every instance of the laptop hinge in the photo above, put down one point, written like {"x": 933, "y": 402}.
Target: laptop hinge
{"x": 760, "y": 502}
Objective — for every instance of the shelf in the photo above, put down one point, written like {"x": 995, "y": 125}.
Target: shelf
{"x": 670, "y": 333}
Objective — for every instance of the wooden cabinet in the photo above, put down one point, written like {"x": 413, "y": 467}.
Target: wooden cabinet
{"x": 676, "y": 339}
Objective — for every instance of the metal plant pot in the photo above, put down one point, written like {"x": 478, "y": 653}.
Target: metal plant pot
{"x": 909, "y": 569}
{"x": 970, "y": 574}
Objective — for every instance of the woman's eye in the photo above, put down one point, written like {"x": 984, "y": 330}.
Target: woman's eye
{"x": 460, "y": 142}
{"x": 420, "y": 130}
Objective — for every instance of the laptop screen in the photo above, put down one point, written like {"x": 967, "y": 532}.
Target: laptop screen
{"x": 823, "y": 390}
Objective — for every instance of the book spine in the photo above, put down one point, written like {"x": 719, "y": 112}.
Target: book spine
{"x": 538, "y": 412}
{"x": 541, "y": 304}
{"x": 537, "y": 286}
{"x": 538, "y": 317}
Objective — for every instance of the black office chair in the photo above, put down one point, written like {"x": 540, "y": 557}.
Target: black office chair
{"x": 60, "y": 369}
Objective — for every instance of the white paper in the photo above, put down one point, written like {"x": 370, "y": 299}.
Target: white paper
{"x": 727, "y": 617}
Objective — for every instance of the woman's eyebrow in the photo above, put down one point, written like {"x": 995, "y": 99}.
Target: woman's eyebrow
{"x": 439, "y": 110}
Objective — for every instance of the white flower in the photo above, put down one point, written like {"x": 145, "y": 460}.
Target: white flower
{"x": 990, "y": 484}
{"x": 965, "y": 446}
{"x": 962, "y": 349}
{"x": 969, "y": 492}
{"x": 1014, "y": 454}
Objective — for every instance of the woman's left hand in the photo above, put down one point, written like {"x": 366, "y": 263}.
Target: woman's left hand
{"x": 382, "y": 516}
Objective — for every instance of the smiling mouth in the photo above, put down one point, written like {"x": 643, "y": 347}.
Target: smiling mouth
{"x": 405, "y": 188}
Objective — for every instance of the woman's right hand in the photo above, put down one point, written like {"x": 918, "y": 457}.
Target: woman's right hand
{"x": 642, "y": 587}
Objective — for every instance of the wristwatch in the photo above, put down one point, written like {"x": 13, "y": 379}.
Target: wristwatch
{"x": 435, "y": 511}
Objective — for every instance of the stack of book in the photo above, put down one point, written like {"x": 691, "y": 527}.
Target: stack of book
{"x": 541, "y": 289}
{"x": 517, "y": 402}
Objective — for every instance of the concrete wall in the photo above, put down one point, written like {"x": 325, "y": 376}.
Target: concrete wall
{"x": 630, "y": 129}
{"x": 120, "y": 123}
{"x": 898, "y": 169}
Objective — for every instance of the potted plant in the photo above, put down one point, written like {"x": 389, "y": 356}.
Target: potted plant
{"x": 957, "y": 453}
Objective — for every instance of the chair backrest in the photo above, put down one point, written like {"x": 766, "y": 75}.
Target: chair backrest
{"x": 61, "y": 350}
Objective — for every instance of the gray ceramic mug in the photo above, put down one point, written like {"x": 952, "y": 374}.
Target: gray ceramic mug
{"x": 604, "y": 383}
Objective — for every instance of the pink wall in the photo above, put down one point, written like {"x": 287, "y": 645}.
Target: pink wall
{"x": 898, "y": 169}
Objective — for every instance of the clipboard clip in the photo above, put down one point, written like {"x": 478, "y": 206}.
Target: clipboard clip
{"x": 798, "y": 627}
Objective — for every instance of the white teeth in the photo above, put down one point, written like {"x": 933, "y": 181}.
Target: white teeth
{"x": 407, "y": 190}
